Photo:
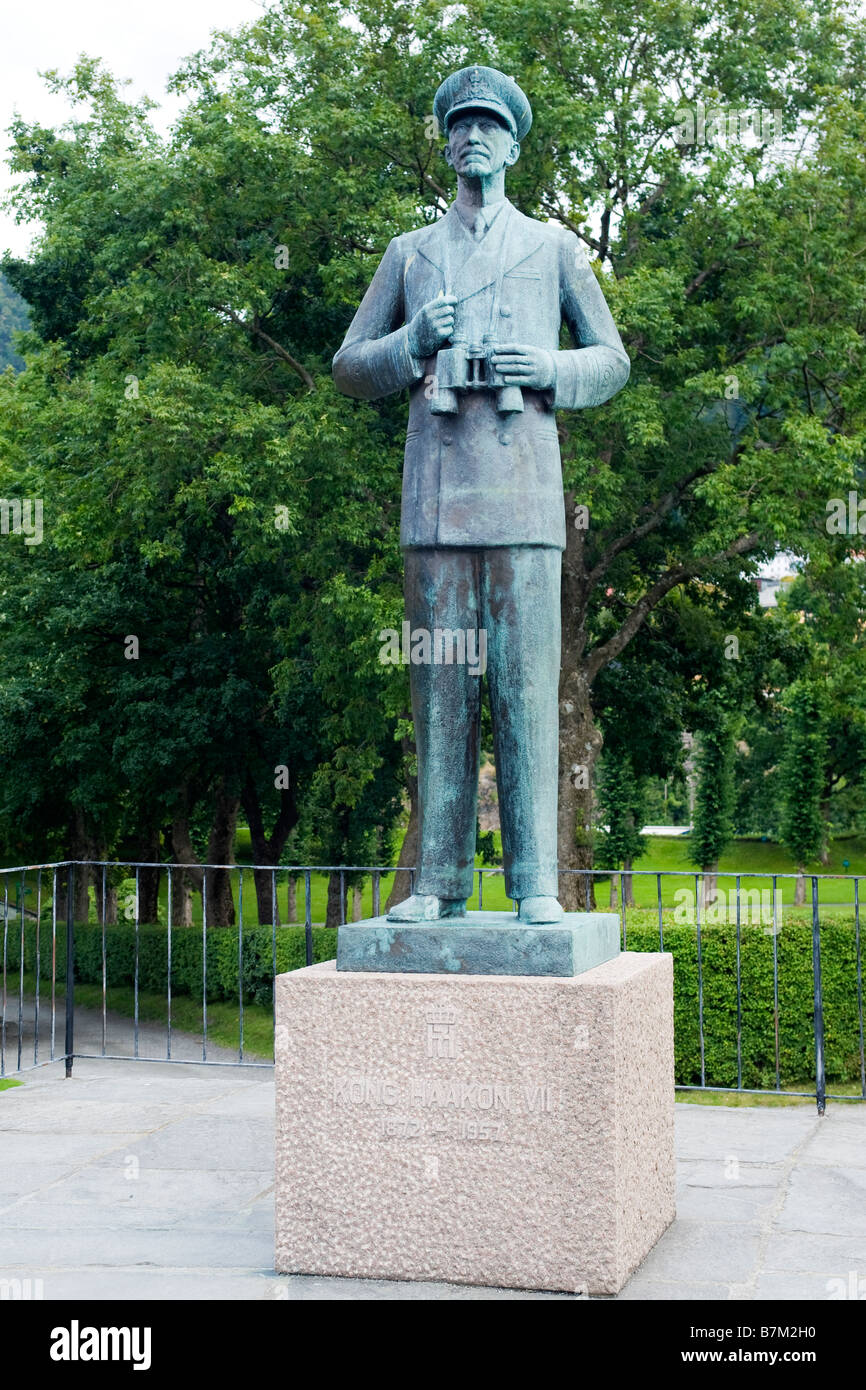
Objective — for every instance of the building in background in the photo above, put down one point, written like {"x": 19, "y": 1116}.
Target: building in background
{"x": 774, "y": 576}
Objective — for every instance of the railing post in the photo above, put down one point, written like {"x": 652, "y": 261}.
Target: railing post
{"x": 70, "y": 968}
{"x": 820, "y": 1077}
{"x": 308, "y": 918}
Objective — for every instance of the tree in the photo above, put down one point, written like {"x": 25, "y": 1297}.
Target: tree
{"x": 713, "y": 826}
{"x": 744, "y": 406}
{"x": 829, "y": 601}
{"x": 622, "y": 803}
{"x": 207, "y": 529}
{"x": 803, "y": 773}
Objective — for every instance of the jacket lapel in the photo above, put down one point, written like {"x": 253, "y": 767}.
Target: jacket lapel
{"x": 524, "y": 239}
{"x": 467, "y": 267}
{"x": 480, "y": 262}
{"x": 434, "y": 245}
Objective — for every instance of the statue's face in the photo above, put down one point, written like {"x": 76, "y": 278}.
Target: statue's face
{"x": 479, "y": 144}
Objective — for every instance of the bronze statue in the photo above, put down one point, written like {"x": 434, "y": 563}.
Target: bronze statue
{"x": 467, "y": 313}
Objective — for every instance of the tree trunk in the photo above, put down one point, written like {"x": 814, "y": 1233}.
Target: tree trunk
{"x": 409, "y": 849}
{"x": 613, "y": 894}
{"x": 579, "y": 746}
{"x": 101, "y": 876}
{"x": 825, "y": 838}
{"x": 292, "y": 900}
{"x": 82, "y": 894}
{"x": 221, "y": 850}
{"x": 579, "y": 738}
{"x": 79, "y": 846}
{"x": 183, "y": 852}
{"x": 267, "y": 898}
{"x": 357, "y": 905}
{"x": 146, "y": 850}
{"x": 800, "y": 891}
{"x": 334, "y": 915}
{"x": 267, "y": 849}
{"x": 181, "y": 899}
{"x": 709, "y": 893}
{"x": 110, "y": 904}
{"x": 628, "y": 885}
{"x": 192, "y": 877}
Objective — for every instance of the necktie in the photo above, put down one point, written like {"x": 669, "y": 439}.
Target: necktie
{"x": 477, "y": 228}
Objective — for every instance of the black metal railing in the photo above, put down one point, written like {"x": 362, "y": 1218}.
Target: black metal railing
{"x": 41, "y": 939}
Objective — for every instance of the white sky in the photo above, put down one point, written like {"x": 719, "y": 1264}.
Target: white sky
{"x": 144, "y": 41}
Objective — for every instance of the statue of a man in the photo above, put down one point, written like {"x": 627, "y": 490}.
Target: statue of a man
{"x": 467, "y": 313}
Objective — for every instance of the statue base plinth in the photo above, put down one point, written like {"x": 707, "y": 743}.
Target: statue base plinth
{"x": 507, "y": 1131}
{"x": 481, "y": 943}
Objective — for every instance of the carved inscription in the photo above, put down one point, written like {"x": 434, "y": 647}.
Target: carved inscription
{"x": 433, "y": 1093}
{"x": 441, "y": 1106}
{"x": 423, "y": 1105}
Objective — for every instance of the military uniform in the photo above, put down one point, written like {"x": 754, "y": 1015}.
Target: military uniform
{"x": 483, "y": 518}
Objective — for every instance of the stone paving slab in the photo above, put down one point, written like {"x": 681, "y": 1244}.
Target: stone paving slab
{"x": 216, "y": 1285}
{"x": 826, "y": 1200}
{"x": 829, "y": 1256}
{"x": 139, "y": 1180}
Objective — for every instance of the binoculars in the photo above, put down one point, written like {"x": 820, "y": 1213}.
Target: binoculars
{"x": 469, "y": 367}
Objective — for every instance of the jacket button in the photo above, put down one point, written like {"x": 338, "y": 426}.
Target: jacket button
{"x": 446, "y": 439}
{"x": 506, "y": 313}
{"x": 505, "y": 439}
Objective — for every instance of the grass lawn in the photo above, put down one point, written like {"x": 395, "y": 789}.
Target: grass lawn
{"x": 846, "y": 1094}
{"x": 752, "y": 857}
{"x": 7, "y": 1082}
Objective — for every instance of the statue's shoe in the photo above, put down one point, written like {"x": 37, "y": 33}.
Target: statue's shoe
{"x": 426, "y": 907}
{"x": 539, "y": 911}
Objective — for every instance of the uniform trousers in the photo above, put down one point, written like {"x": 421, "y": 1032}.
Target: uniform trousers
{"x": 508, "y": 597}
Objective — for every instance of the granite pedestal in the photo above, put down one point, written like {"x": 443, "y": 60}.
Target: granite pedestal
{"x": 500, "y": 1130}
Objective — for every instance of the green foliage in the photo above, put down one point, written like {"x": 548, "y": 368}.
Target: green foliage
{"x": 485, "y": 846}
{"x": 796, "y": 1000}
{"x": 622, "y": 805}
{"x": 13, "y": 319}
{"x": 713, "y": 826}
{"x": 188, "y": 951}
{"x": 803, "y": 770}
{"x": 199, "y": 496}
{"x": 186, "y": 298}
{"x": 667, "y": 801}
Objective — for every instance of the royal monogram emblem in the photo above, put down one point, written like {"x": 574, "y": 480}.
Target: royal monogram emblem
{"x": 442, "y": 1032}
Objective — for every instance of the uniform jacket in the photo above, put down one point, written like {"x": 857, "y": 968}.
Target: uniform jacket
{"x": 479, "y": 478}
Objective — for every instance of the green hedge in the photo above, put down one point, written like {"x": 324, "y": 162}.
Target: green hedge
{"x": 794, "y": 948}
{"x": 796, "y": 1000}
{"x": 186, "y": 957}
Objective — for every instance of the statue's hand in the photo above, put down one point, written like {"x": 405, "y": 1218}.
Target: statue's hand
{"x": 432, "y": 326}
{"x": 532, "y": 367}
